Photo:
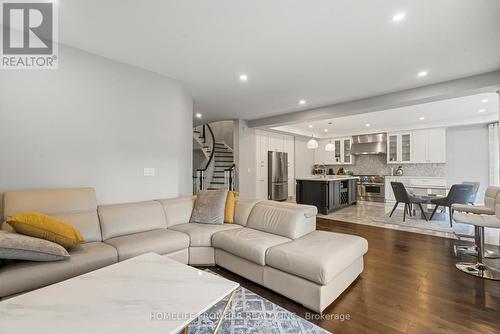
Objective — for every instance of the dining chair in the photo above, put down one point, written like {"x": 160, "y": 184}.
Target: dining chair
{"x": 458, "y": 194}
{"x": 402, "y": 196}
{"x": 475, "y": 189}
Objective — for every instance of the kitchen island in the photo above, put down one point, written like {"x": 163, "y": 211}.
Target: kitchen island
{"x": 327, "y": 193}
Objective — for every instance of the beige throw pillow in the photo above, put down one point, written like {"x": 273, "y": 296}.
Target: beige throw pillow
{"x": 15, "y": 246}
{"x": 209, "y": 207}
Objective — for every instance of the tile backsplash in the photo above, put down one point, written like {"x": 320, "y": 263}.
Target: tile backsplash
{"x": 373, "y": 164}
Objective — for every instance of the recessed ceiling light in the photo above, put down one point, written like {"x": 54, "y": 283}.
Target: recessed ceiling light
{"x": 484, "y": 100}
{"x": 302, "y": 102}
{"x": 243, "y": 77}
{"x": 422, "y": 73}
{"x": 368, "y": 125}
{"x": 310, "y": 126}
{"x": 399, "y": 17}
{"x": 421, "y": 118}
{"x": 326, "y": 130}
{"x": 198, "y": 115}
{"x": 481, "y": 110}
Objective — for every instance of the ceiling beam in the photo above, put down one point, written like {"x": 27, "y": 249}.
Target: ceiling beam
{"x": 476, "y": 84}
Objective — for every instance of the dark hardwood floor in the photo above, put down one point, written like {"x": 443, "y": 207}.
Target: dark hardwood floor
{"x": 409, "y": 285}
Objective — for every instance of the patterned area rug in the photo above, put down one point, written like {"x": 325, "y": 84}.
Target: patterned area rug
{"x": 249, "y": 313}
{"x": 438, "y": 224}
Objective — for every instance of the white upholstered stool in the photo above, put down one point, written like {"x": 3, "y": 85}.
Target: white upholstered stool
{"x": 480, "y": 269}
{"x": 487, "y": 209}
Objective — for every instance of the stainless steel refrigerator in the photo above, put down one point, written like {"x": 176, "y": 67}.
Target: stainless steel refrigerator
{"x": 277, "y": 176}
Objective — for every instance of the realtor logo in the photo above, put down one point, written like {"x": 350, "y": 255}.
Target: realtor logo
{"x": 29, "y": 35}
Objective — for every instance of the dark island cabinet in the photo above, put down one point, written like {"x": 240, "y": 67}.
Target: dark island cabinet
{"x": 327, "y": 195}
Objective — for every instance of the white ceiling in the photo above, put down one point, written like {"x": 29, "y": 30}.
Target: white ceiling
{"x": 452, "y": 112}
{"x": 324, "y": 51}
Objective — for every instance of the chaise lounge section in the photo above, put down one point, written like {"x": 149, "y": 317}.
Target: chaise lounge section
{"x": 273, "y": 244}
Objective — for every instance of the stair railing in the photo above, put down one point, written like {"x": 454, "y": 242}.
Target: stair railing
{"x": 200, "y": 181}
{"x": 229, "y": 178}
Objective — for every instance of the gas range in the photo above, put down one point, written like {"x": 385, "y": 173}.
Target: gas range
{"x": 371, "y": 188}
{"x": 372, "y": 179}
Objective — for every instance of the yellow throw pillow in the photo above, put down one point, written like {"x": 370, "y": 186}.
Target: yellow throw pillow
{"x": 230, "y": 204}
{"x": 44, "y": 227}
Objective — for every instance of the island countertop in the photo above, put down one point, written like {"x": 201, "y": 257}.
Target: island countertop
{"x": 328, "y": 178}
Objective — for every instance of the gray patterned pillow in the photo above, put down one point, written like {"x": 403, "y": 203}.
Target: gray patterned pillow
{"x": 209, "y": 207}
{"x": 15, "y": 246}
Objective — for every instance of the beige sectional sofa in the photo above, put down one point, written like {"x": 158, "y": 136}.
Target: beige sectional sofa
{"x": 273, "y": 244}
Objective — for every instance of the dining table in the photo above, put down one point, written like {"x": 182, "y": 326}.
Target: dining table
{"x": 412, "y": 189}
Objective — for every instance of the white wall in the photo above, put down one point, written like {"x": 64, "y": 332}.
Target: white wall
{"x": 467, "y": 156}
{"x": 223, "y": 132}
{"x": 95, "y": 122}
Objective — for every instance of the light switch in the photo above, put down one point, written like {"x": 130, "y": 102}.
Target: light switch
{"x": 149, "y": 171}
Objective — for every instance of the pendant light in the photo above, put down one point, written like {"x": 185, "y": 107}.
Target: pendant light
{"x": 330, "y": 147}
{"x": 312, "y": 143}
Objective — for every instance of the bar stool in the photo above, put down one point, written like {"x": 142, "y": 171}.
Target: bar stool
{"x": 487, "y": 209}
{"x": 480, "y": 269}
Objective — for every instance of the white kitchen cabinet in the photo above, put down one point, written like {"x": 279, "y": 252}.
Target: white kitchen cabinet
{"x": 262, "y": 147}
{"x": 399, "y": 148}
{"x": 276, "y": 142}
{"x": 261, "y": 189}
{"x": 269, "y": 141}
{"x": 429, "y": 145}
{"x": 262, "y": 143}
{"x": 436, "y": 149}
{"x": 290, "y": 149}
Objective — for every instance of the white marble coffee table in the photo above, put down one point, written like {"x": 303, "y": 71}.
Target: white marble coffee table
{"x": 146, "y": 294}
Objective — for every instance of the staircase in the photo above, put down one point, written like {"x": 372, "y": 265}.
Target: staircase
{"x": 223, "y": 159}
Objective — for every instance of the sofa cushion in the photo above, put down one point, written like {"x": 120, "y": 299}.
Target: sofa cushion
{"x": 160, "y": 241}
{"x": 123, "y": 219}
{"x": 76, "y": 206}
{"x": 289, "y": 221}
{"x": 16, "y": 246}
{"x": 200, "y": 235}
{"x": 46, "y": 227}
{"x": 209, "y": 207}
{"x": 318, "y": 256}
{"x": 247, "y": 243}
{"x": 242, "y": 210}
{"x": 476, "y": 209}
{"x": 230, "y": 204}
{"x": 23, "y": 276}
{"x": 177, "y": 210}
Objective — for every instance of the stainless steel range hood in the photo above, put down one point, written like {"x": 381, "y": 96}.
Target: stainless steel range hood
{"x": 369, "y": 144}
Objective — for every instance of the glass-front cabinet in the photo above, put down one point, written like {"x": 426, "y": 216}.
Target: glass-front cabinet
{"x": 337, "y": 152}
{"x": 340, "y": 156}
{"x": 399, "y": 147}
{"x": 392, "y": 148}
{"x": 347, "y": 151}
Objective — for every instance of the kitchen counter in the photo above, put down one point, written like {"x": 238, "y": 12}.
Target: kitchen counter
{"x": 414, "y": 177}
{"x": 329, "y": 193}
{"x": 328, "y": 178}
